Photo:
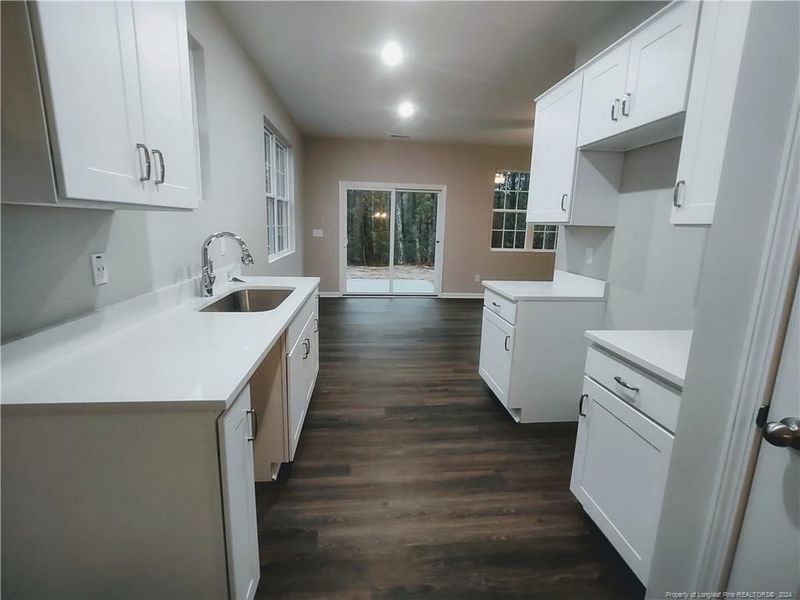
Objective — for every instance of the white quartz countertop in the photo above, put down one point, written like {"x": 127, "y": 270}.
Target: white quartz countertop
{"x": 173, "y": 354}
{"x": 662, "y": 352}
{"x": 565, "y": 287}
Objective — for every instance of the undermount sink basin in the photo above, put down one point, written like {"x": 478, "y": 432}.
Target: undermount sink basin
{"x": 250, "y": 300}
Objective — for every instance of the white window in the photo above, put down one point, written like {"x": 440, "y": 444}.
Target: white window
{"x": 510, "y": 231}
{"x": 279, "y": 195}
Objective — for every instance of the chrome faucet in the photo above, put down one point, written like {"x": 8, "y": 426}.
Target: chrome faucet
{"x": 208, "y": 278}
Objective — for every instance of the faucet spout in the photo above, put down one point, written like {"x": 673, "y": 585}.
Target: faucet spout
{"x": 208, "y": 278}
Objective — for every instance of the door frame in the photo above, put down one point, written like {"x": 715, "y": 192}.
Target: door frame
{"x": 393, "y": 188}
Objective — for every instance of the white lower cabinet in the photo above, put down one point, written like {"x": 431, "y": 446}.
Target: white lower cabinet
{"x": 236, "y": 433}
{"x": 302, "y": 366}
{"x": 497, "y": 341}
{"x": 621, "y": 458}
{"x": 531, "y": 376}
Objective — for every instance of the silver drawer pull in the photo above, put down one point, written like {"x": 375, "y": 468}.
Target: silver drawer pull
{"x": 307, "y": 344}
{"x": 495, "y": 304}
{"x": 147, "y": 166}
{"x": 253, "y": 424}
{"x": 505, "y": 343}
{"x": 627, "y": 386}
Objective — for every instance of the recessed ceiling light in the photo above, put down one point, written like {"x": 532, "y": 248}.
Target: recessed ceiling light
{"x": 392, "y": 54}
{"x": 405, "y": 110}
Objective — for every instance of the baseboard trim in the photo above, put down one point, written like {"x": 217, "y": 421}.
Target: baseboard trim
{"x": 461, "y": 295}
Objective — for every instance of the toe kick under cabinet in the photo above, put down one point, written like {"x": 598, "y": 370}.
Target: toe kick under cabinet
{"x": 531, "y": 354}
{"x": 627, "y": 418}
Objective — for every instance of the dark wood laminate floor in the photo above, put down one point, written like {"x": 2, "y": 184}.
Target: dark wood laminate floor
{"x": 411, "y": 481}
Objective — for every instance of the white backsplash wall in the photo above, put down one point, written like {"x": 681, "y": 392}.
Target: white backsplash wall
{"x": 651, "y": 266}
{"x": 45, "y": 251}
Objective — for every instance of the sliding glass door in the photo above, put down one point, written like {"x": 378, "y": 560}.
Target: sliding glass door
{"x": 391, "y": 241}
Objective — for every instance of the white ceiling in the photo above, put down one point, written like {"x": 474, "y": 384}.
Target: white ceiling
{"x": 472, "y": 68}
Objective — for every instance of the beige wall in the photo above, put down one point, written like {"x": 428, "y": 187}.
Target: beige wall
{"x": 466, "y": 170}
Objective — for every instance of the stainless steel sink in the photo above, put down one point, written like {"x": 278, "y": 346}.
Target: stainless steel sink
{"x": 250, "y": 300}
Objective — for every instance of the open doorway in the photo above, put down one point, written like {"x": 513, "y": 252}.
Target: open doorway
{"x": 391, "y": 238}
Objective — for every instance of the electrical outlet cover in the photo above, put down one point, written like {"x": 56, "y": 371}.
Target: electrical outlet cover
{"x": 99, "y": 269}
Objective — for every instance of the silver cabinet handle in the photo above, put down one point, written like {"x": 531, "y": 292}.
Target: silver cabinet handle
{"x": 505, "y": 343}
{"x": 626, "y": 105}
{"x": 307, "y": 344}
{"x": 676, "y": 193}
{"x": 316, "y": 322}
{"x": 161, "y": 167}
{"x": 147, "y": 165}
{"x": 624, "y": 384}
{"x": 495, "y": 304}
{"x": 253, "y": 424}
{"x": 564, "y": 202}
{"x": 580, "y": 404}
{"x": 614, "y": 108}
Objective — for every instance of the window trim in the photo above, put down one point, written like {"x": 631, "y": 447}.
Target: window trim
{"x": 528, "y": 247}
{"x": 272, "y": 194}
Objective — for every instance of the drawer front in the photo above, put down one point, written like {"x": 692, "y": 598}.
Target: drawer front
{"x": 651, "y": 397}
{"x": 619, "y": 473}
{"x": 501, "y": 306}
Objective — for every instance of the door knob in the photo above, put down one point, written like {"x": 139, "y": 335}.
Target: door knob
{"x": 785, "y": 433}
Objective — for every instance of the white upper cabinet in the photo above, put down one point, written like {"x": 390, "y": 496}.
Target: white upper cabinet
{"x": 720, "y": 43}
{"x": 167, "y": 102}
{"x": 115, "y": 89}
{"x": 659, "y": 64}
{"x": 87, "y": 56}
{"x": 640, "y": 81}
{"x": 603, "y": 86}
{"x": 555, "y": 131}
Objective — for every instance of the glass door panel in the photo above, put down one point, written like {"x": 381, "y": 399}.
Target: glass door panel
{"x": 368, "y": 242}
{"x": 414, "y": 242}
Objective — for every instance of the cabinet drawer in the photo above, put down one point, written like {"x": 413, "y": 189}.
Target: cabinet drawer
{"x": 654, "y": 399}
{"x": 501, "y": 306}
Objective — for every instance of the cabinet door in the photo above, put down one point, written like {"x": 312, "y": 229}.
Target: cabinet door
{"x": 658, "y": 67}
{"x": 301, "y": 371}
{"x": 555, "y": 132}
{"x": 720, "y": 43}
{"x": 619, "y": 473}
{"x": 88, "y": 62}
{"x": 239, "y": 495}
{"x": 603, "y": 88}
{"x": 497, "y": 346}
{"x": 163, "y": 46}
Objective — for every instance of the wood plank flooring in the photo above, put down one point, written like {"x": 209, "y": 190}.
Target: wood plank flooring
{"x": 411, "y": 481}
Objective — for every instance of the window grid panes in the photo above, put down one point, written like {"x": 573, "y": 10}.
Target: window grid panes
{"x": 277, "y": 173}
{"x": 544, "y": 237}
{"x": 509, "y": 207}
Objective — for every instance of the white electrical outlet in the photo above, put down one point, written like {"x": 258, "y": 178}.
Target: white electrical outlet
{"x": 317, "y": 232}
{"x": 589, "y": 255}
{"x": 477, "y": 278}
{"x": 99, "y": 269}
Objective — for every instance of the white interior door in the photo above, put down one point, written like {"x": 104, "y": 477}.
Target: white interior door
{"x": 392, "y": 239}
{"x": 768, "y": 554}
